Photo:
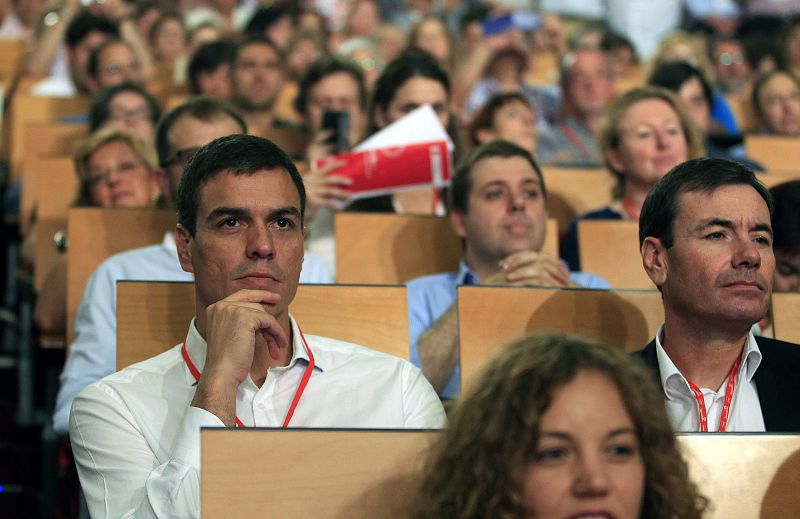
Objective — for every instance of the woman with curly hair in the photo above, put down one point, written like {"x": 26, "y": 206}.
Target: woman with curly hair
{"x": 554, "y": 426}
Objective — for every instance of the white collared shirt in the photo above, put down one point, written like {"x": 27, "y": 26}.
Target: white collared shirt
{"x": 136, "y": 439}
{"x": 745, "y": 413}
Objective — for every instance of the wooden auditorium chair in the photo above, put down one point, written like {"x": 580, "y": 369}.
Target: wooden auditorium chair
{"x": 393, "y": 248}
{"x": 95, "y": 234}
{"x": 574, "y": 191}
{"x": 154, "y": 316}
{"x": 610, "y": 249}
{"x": 776, "y": 153}
{"x": 489, "y": 317}
{"x": 786, "y": 316}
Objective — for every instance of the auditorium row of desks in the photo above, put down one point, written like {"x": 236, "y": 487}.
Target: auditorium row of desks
{"x": 338, "y": 474}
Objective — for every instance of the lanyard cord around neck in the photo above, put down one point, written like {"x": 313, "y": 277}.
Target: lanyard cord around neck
{"x": 726, "y": 403}
{"x": 300, "y": 389}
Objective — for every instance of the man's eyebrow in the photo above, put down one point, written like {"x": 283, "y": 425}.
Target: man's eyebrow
{"x": 238, "y": 212}
{"x": 289, "y": 210}
{"x": 728, "y": 224}
{"x": 494, "y": 183}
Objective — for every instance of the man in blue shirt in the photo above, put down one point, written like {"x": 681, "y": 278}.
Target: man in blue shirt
{"x": 497, "y": 207}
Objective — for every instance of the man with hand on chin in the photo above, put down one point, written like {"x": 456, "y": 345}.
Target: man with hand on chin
{"x": 705, "y": 234}
{"x": 245, "y": 361}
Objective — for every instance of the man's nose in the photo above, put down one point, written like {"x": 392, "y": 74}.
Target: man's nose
{"x": 260, "y": 244}
{"x": 746, "y": 253}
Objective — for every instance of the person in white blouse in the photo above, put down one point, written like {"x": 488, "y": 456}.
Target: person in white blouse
{"x": 705, "y": 233}
{"x": 245, "y": 361}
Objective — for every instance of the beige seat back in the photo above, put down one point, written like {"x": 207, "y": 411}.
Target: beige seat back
{"x": 774, "y": 152}
{"x": 95, "y": 234}
{"x": 489, "y": 317}
{"x": 572, "y": 192}
{"x": 610, "y": 249}
{"x": 393, "y": 248}
{"x": 154, "y": 316}
{"x": 786, "y": 316}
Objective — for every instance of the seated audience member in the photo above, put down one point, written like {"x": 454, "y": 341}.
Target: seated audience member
{"x": 776, "y": 102}
{"x": 209, "y": 70}
{"x": 92, "y": 354}
{"x": 362, "y": 19}
{"x": 144, "y": 15}
{"x": 116, "y": 169}
{"x": 390, "y": 41}
{"x": 682, "y": 46}
{"x": 113, "y": 63}
{"x": 430, "y": 34}
{"x": 788, "y": 47}
{"x": 303, "y": 50}
{"x": 587, "y": 89}
{"x": 273, "y": 22}
{"x": 331, "y": 84}
{"x": 257, "y": 77}
{"x": 364, "y": 53}
{"x": 127, "y": 107}
{"x": 786, "y": 227}
{"x": 731, "y": 65}
{"x": 84, "y": 31}
{"x": 136, "y": 434}
{"x": 645, "y": 134}
{"x": 706, "y": 239}
{"x": 695, "y": 93}
{"x": 509, "y": 117}
{"x": 497, "y": 207}
{"x": 412, "y": 80}
{"x": 556, "y": 427}
{"x": 620, "y": 51}
{"x": 167, "y": 38}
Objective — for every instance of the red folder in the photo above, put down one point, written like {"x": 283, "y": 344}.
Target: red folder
{"x": 386, "y": 170}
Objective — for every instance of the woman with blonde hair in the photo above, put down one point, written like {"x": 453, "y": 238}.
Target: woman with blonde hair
{"x": 555, "y": 426}
{"x": 646, "y": 132}
{"x": 115, "y": 169}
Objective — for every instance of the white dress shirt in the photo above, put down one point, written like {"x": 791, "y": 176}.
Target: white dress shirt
{"x": 136, "y": 439}
{"x": 745, "y": 412}
{"x": 93, "y": 353}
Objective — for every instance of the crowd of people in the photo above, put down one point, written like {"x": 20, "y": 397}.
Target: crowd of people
{"x": 220, "y": 109}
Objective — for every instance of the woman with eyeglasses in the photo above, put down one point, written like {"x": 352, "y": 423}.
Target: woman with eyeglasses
{"x": 115, "y": 169}
{"x": 127, "y": 107}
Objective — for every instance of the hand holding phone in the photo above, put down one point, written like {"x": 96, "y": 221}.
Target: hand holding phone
{"x": 338, "y": 124}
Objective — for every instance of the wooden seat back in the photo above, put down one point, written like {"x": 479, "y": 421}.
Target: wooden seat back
{"x": 610, "y": 249}
{"x": 572, "y": 192}
{"x": 786, "y": 316}
{"x": 775, "y": 152}
{"x": 154, "y": 316}
{"x": 489, "y": 317}
{"x": 392, "y": 248}
{"x": 95, "y": 234}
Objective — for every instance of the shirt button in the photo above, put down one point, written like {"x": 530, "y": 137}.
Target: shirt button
{"x": 261, "y": 406}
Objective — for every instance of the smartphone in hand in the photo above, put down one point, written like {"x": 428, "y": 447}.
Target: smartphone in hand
{"x": 338, "y": 123}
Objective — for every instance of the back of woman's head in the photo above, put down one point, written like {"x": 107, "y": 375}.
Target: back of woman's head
{"x": 786, "y": 218}
{"x": 475, "y": 468}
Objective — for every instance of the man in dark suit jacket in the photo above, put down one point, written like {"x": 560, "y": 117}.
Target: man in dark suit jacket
{"x": 705, "y": 234}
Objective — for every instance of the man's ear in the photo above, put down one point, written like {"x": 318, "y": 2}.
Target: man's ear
{"x": 654, "y": 260}
{"x": 457, "y": 221}
{"x": 183, "y": 241}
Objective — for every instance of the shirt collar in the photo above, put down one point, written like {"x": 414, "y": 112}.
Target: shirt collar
{"x": 670, "y": 372}
{"x": 465, "y": 275}
{"x": 197, "y": 348}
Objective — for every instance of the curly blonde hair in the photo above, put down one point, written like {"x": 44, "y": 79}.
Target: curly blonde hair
{"x": 474, "y": 469}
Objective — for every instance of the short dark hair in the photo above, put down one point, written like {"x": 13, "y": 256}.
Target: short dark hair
{"x": 85, "y": 23}
{"x": 263, "y": 18}
{"x": 786, "y": 218}
{"x": 237, "y": 154}
{"x": 256, "y": 40}
{"x": 408, "y": 65}
{"x": 673, "y": 75}
{"x": 461, "y": 184}
{"x": 207, "y": 58}
{"x": 203, "y": 108}
{"x": 484, "y": 117}
{"x": 101, "y": 104}
{"x": 705, "y": 174}
{"x": 323, "y": 68}
{"x": 93, "y": 65}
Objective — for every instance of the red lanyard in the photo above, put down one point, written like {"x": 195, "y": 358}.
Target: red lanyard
{"x": 300, "y": 389}
{"x": 726, "y": 404}
{"x": 575, "y": 140}
{"x": 631, "y": 211}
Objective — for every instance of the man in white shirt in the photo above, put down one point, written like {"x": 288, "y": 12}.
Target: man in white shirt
{"x": 706, "y": 240}
{"x": 92, "y": 354}
{"x": 245, "y": 361}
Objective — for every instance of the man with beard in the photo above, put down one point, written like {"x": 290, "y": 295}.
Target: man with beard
{"x": 498, "y": 208}
{"x": 706, "y": 240}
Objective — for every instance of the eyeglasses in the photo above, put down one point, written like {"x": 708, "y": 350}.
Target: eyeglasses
{"x": 181, "y": 157}
{"x": 95, "y": 178}
{"x": 726, "y": 59}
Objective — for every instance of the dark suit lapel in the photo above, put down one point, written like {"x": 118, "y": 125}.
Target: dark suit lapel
{"x": 778, "y": 390}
